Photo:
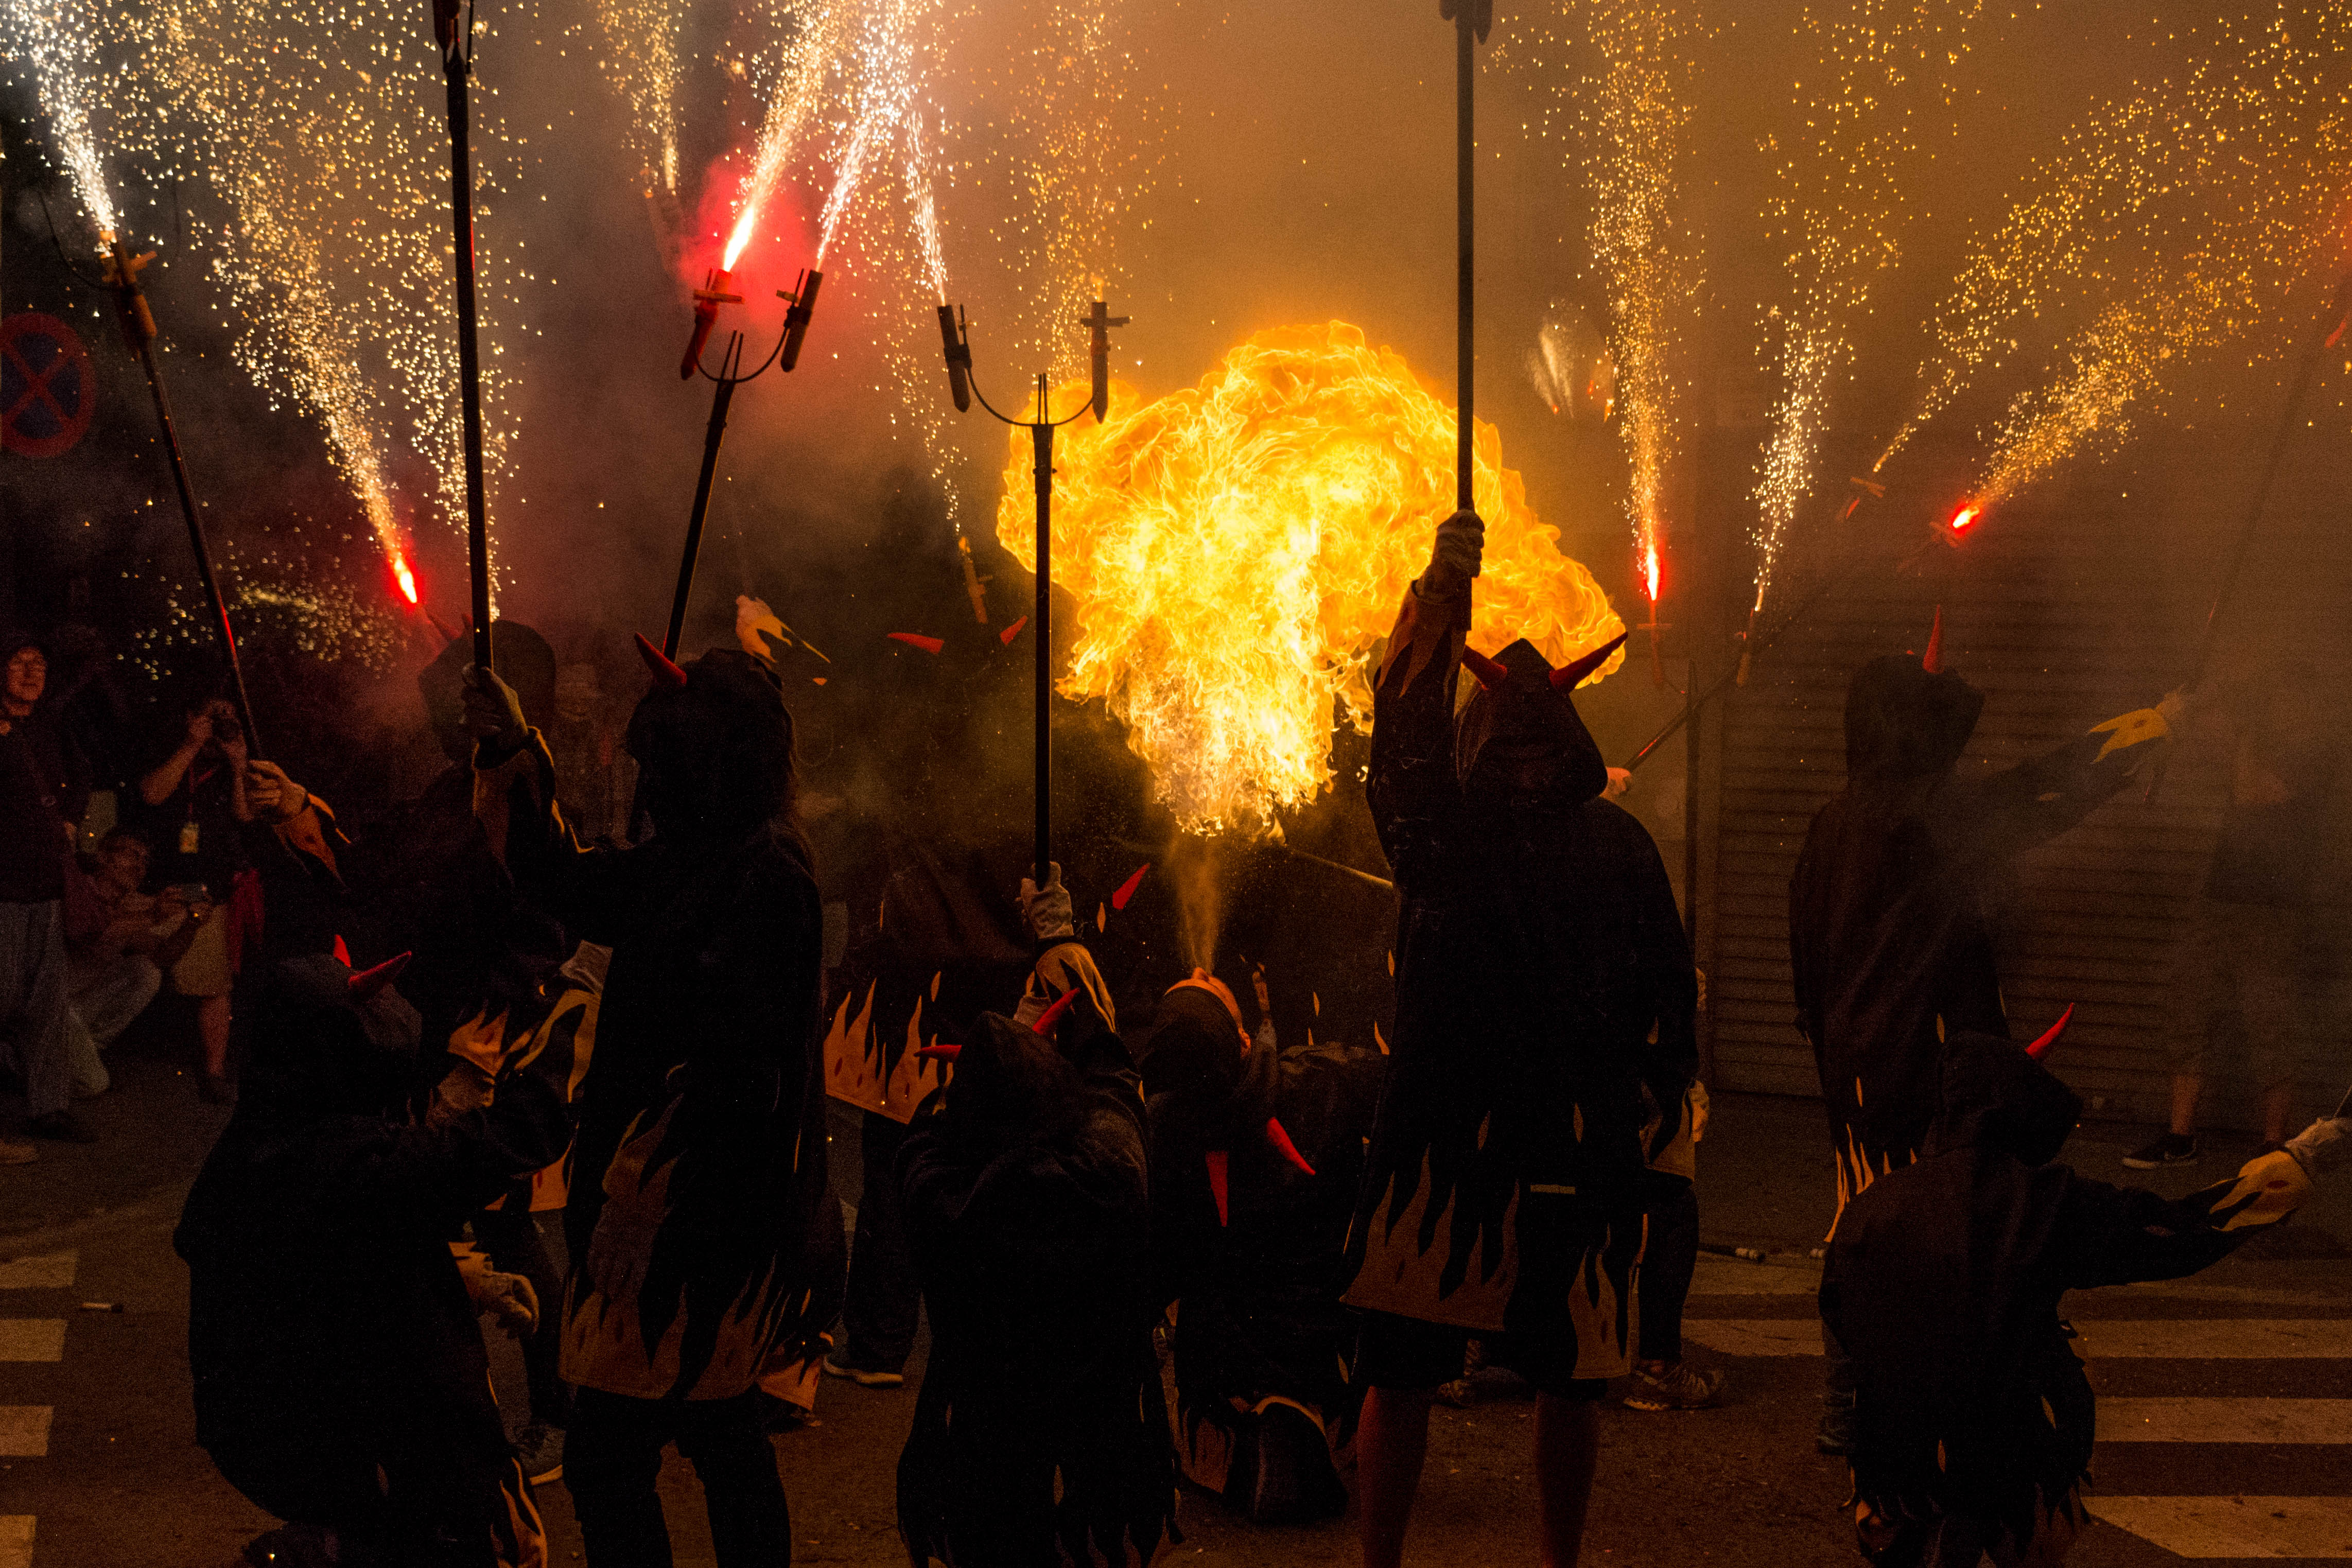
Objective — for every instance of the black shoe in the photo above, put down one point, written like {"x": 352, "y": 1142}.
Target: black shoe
{"x": 63, "y": 1126}
{"x": 2166, "y": 1149}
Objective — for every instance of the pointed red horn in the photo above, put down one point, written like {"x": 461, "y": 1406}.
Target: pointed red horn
{"x": 343, "y": 954}
{"x": 450, "y": 634}
{"x": 1569, "y": 676}
{"x": 1491, "y": 676}
{"x": 1284, "y": 1147}
{"x": 1053, "y": 1015}
{"x": 665, "y": 670}
{"x": 2041, "y": 1049}
{"x": 364, "y": 986}
{"x": 1215, "y": 1159}
{"x": 946, "y": 1053}
{"x": 1932, "y": 661}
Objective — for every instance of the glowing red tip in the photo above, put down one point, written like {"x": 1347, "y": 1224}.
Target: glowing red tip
{"x": 1126, "y": 889}
{"x": 2041, "y": 1047}
{"x": 1053, "y": 1015}
{"x": 343, "y": 954}
{"x": 1963, "y": 520}
{"x": 1008, "y": 633}
{"x": 1215, "y": 1160}
{"x": 1284, "y": 1147}
{"x": 665, "y": 671}
{"x": 1932, "y": 661}
{"x": 917, "y": 639}
{"x": 406, "y": 578}
{"x": 1491, "y": 675}
{"x": 364, "y": 987}
{"x": 448, "y": 633}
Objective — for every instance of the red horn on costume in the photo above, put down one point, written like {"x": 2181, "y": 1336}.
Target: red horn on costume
{"x": 665, "y": 670}
{"x": 1491, "y": 676}
{"x": 1932, "y": 661}
{"x": 1053, "y": 1015}
{"x": 1215, "y": 1160}
{"x": 1284, "y": 1147}
{"x": 448, "y": 633}
{"x": 343, "y": 954}
{"x": 946, "y": 1053}
{"x": 2041, "y": 1047}
{"x": 364, "y": 985}
{"x": 1567, "y": 677}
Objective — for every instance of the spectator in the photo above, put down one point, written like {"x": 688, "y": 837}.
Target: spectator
{"x": 118, "y": 942}
{"x": 194, "y": 800}
{"x": 42, "y": 790}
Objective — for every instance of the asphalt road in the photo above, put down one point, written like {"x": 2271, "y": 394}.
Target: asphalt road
{"x": 2227, "y": 1399}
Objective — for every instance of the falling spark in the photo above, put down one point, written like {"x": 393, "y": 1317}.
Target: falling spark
{"x": 887, "y": 83}
{"x": 1236, "y": 550}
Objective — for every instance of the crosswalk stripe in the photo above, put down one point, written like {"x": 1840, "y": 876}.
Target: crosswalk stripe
{"x": 2185, "y": 1339}
{"x": 50, "y": 1271}
{"x": 23, "y": 1431}
{"x": 2225, "y": 1420}
{"x": 31, "y": 1338}
{"x": 2235, "y": 1526}
{"x": 15, "y": 1540}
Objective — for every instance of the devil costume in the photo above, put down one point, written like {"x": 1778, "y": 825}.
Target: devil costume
{"x": 1544, "y": 986}
{"x": 1974, "y": 1420}
{"x": 1040, "y": 1435}
{"x": 1887, "y": 938}
{"x": 340, "y": 1381}
{"x": 698, "y": 1226}
{"x": 1256, "y": 1156}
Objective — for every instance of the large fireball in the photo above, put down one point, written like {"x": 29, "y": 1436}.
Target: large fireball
{"x": 1236, "y": 552}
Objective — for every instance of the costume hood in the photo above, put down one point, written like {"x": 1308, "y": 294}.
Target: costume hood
{"x": 1903, "y": 721}
{"x": 323, "y": 1046}
{"x": 1207, "y": 1084}
{"x": 1997, "y": 1096}
{"x": 1523, "y": 707}
{"x": 715, "y": 752}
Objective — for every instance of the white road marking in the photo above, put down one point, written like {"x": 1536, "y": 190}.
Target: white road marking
{"x": 2225, "y": 1420}
{"x": 2235, "y": 1526}
{"x": 50, "y": 1271}
{"x": 23, "y": 1431}
{"x": 31, "y": 1338}
{"x": 15, "y": 1540}
{"x": 2202, "y": 1339}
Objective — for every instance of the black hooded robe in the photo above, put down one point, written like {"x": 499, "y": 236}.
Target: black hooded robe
{"x": 1888, "y": 940}
{"x": 1040, "y": 1436}
{"x": 1543, "y": 983}
{"x": 1943, "y": 1285}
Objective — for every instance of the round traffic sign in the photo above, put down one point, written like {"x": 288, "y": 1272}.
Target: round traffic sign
{"x": 47, "y": 387}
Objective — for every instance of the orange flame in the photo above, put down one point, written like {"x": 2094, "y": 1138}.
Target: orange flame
{"x": 1963, "y": 519}
{"x": 742, "y": 234}
{"x": 1650, "y": 571}
{"x": 1238, "y": 550}
{"x": 406, "y": 578}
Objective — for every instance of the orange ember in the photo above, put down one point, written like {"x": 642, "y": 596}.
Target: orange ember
{"x": 1236, "y": 552}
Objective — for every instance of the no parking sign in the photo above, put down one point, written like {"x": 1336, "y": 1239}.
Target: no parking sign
{"x": 48, "y": 389}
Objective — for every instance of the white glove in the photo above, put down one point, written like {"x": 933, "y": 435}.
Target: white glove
{"x": 1461, "y": 541}
{"x": 1047, "y": 911}
{"x": 2324, "y": 1146}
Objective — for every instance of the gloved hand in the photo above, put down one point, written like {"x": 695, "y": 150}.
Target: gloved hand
{"x": 2175, "y": 705}
{"x": 273, "y": 796}
{"x": 1046, "y": 910}
{"x": 493, "y": 711}
{"x": 1461, "y": 544}
{"x": 509, "y": 1298}
{"x": 2324, "y": 1146}
{"x": 1619, "y": 781}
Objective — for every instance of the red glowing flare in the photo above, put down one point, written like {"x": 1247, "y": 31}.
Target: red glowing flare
{"x": 1126, "y": 889}
{"x": 1650, "y": 570}
{"x": 1963, "y": 520}
{"x": 917, "y": 639}
{"x": 1008, "y": 633}
{"x": 406, "y": 578}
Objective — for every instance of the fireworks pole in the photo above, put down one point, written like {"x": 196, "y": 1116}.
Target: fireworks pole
{"x": 1469, "y": 18}
{"x": 123, "y": 270}
{"x": 956, "y": 340}
{"x": 453, "y": 31}
{"x": 801, "y": 304}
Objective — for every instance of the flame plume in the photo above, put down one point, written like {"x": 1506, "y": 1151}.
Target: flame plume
{"x": 1236, "y": 550}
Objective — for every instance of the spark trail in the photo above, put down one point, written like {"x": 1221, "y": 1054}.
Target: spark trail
{"x": 61, "y": 41}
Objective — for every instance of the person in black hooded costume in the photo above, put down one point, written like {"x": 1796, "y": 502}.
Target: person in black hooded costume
{"x": 1256, "y": 1156}
{"x": 1040, "y": 1435}
{"x": 1544, "y": 989}
{"x": 341, "y": 1380}
{"x": 704, "y": 1247}
{"x": 1973, "y": 1421}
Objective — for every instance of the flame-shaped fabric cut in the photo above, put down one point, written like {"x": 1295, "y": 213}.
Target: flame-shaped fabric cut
{"x": 1236, "y": 550}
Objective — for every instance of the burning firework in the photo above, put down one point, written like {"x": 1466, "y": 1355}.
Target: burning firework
{"x": 1570, "y": 367}
{"x": 1237, "y": 550}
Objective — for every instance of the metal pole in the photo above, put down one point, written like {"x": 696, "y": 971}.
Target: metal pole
{"x": 457, "y": 65}
{"x": 1690, "y": 790}
{"x": 1042, "y": 633}
{"x": 2337, "y": 311}
{"x": 722, "y": 394}
{"x": 1464, "y": 208}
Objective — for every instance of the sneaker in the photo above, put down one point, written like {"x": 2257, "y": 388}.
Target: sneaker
{"x": 1681, "y": 1386}
{"x": 217, "y": 1091}
{"x": 2166, "y": 1149}
{"x": 63, "y": 1126}
{"x": 538, "y": 1449}
{"x": 15, "y": 1154}
{"x": 862, "y": 1377}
